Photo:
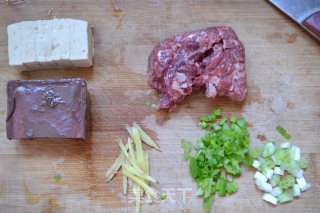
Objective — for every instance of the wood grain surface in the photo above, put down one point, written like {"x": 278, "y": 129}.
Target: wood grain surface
{"x": 283, "y": 68}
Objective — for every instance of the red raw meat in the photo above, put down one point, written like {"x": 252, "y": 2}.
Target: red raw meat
{"x": 213, "y": 57}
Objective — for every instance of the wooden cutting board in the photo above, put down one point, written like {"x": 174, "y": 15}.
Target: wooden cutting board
{"x": 283, "y": 68}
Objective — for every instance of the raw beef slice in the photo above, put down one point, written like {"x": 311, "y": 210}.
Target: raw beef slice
{"x": 213, "y": 57}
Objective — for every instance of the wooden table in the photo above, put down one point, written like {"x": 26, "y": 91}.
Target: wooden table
{"x": 283, "y": 68}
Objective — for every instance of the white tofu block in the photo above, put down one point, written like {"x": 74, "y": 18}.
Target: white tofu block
{"x": 81, "y": 44}
{"x": 61, "y": 42}
{"x": 269, "y": 198}
{"x": 44, "y": 43}
{"x": 50, "y": 44}
{"x": 14, "y": 49}
{"x": 28, "y": 30}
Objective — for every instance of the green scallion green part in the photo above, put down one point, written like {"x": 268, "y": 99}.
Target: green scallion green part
{"x": 218, "y": 155}
{"x": 163, "y": 196}
{"x": 233, "y": 119}
{"x": 148, "y": 102}
{"x": 212, "y": 117}
{"x": 217, "y": 112}
{"x": 204, "y": 118}
{"x": 242, "y": 123}
{"x": 222, "y": 121}
{"x": 153, "y": 106}
{"x": 303, "y": 163}
{"x": 57, "y": 178}
{"x": 283, "y": 132}
{"x": 203, "y": 125}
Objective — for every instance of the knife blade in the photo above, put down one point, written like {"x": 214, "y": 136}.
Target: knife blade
{"x": 305, "y": 12}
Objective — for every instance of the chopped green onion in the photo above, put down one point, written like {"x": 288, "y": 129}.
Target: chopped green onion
{"x": 256, "y": 164}
{"x": 260, "y": 176}
{"x": 222, "y": 187}
{"x": 303, "y": 163}
{"x": 217, "y": 112}
{"x": 163, "y": 196}
{"x": 231, "y": 187}
{"x": 148, "y": 102}
{"x": 255, "y": 152}
{"x": 269, "y": 162}
{"x": 57, "y": 178}
{"x": 287, "y": 182}
{"x": 242, "y": 123}
{"x": 233, "y": 119}
{"x": 296, "y": 192}
{"x": 223, "y": 121}
{"x": 200, "y": 192}
{"x": 269, "y": 198}
{"x": 218, "y": 155}
{"x": 285, "y": 197}
{"x": 276, "y": 191}
{"x": 283, "y": 132}
{"x": 275, "y": 179}
{"x": 212, "y": 117}
{"x": 268, "y": 149}
{"x": 263, "y": 186}
{"x": 283, "y": 167}
{"x": 204, "y": 118}
{"x": 303, "y": 185}
{"x": 296, "y": 153}
{"x": 278, "y": 171}
{"x": 268, "y": 172}
{"x": 285, "y": 145}
{"x": 203, "y": 125}
{"x": 153, "y": 106}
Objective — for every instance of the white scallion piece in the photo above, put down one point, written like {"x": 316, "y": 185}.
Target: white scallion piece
{"x": 278, "y": 171}
{"x": 296, "y": 151}
{"x": 263, "y": 186}
{"x": 302, "y": 183}
{"x": 256, "y": 164}
{"x": 285, "y": 145}
{"x": 296, "y": 190}
{"x": 285, "y": 197}
{"x": 260, "y": 176}
{"x": 299, "y": 173}
{"x": 276, "y": 161}
{"x": 269, "y": 198}
{"x": 268, "y": 172}
{"x": 268, "y": 149}
{"x": 276, "y": 191}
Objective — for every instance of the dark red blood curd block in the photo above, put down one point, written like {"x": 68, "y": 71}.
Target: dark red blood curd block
{"x": 48, "y": 109}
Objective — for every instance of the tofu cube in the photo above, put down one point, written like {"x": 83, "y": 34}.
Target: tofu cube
{"x": 81, "y": 44}
{"x": 14, "y": 47}
{"x": 44, "y": 43}
{"x": 28, "y": 30}
{"x": 61, "y": 46}
{"x": 50, "y": 44}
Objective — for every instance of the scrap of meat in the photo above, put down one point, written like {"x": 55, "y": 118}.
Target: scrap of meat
{"x": 213, "y": 57}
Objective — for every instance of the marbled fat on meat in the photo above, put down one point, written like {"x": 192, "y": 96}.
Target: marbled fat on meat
{"x": 213, "y": 57}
